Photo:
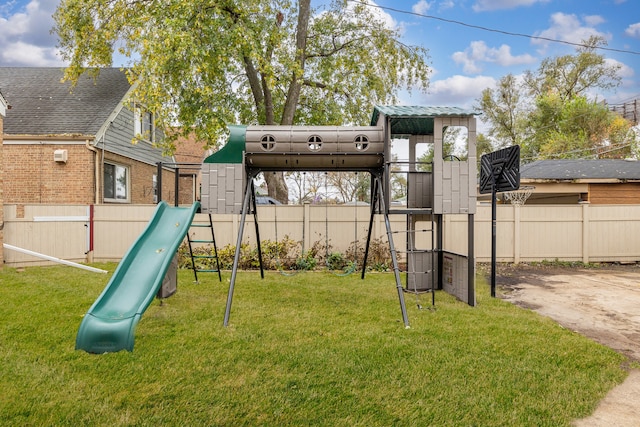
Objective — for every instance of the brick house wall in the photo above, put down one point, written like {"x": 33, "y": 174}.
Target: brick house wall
{"x": 37, "y": 178}
{"x": 141, "y": 190}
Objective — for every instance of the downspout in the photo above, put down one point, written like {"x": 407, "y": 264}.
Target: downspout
{"x": 96, "y": 168}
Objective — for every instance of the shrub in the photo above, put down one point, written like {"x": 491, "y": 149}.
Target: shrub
{"x": 287, "y": 254}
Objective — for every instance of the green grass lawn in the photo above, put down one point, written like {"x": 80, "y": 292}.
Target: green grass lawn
{"x": 310, "y": 349}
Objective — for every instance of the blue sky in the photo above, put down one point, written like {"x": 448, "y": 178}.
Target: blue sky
{"x": 465, "y": 59}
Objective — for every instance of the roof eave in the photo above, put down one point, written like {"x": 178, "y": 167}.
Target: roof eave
{"x": 50, "y": 137}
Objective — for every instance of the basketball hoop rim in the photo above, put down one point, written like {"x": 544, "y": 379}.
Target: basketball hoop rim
{"x": 519, "y": 196}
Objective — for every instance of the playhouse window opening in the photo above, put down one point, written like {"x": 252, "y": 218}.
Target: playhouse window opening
{"x": 268, "y": 142}
{"x": 314, "y": 143}
{"x": 362, "y": 142}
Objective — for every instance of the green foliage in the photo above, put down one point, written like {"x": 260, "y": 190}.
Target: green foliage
{"x": 566, "y": 264}
{"x": 379, "y": 257}
{"x": 286, "y": 255}
{"x": 206, "y": 64}
{"x": 248, "y": 257}
{"x": 311, "y": 349}
{"x": 336, "y": 261}
{"x": 575, "y": 128}
{"x": 549, "y": 114}
{"x": 506, "y": 112}
{"x": 569, "y": 76}
{"x": 451, "y": 137}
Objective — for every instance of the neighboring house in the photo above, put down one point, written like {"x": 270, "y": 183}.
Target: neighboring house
{"x": 3, "y": 112}
{"x": 189, "y": 155}
{"x": 605, "y": 181}
{"x": 73, "y": 145}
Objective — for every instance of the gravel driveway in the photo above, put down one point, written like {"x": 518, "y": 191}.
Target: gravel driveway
{"x": 600, "y": 303}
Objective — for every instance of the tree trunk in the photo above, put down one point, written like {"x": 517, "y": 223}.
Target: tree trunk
{"x": 276, "y": 185}
{"x": 295, "y": 85}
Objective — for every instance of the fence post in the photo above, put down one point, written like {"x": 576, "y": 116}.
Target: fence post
{"x": 516, "y": 234}
{"x": 585, "y": 233}
{"x": 306, "y": 226}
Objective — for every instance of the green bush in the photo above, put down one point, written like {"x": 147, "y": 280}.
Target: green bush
{"x": 287, "y": 254}
{"x": 336, "y": 261}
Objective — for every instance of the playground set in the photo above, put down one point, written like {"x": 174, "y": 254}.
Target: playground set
{"x": 445, "y": 186}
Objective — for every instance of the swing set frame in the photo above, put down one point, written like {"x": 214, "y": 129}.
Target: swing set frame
{"x": 449, "y": 188}
{"x": 249, "y": 207}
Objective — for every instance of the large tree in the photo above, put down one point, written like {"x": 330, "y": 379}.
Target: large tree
{"x": 205, "y": 64}
{"x": 568, "y": 76}
{"x": 505, "y": 109}
{"x": 552, "y": 112}
{"x": 576, "y": 128}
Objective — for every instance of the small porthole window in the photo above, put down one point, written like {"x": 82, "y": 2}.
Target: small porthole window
{"x": 314, "y": 143}
{"x": 268, "y": 142}
{"x": 362, "y": 142}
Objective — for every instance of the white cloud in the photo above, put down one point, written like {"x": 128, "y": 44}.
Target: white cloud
{"x": 478, "y": 52}
{"x": 25, "y": 36}
{"x": 422, "y": 7}
{"x": 594, "y": 20}
{"x": 625, "y": 71}
{"x": 458, "y": 90}
{"x": 446, "y": 4}
{"x": 569, "y": 28}
{"x": 24, "y": 54}
{"x": 378, "y": 13}
{"x": 486, "y": 5}
{"x": 633, "y": 30}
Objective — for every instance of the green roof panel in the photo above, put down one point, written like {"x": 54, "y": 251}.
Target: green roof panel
{"x": 232, "y": 151}
{"x": 416, "y": 120}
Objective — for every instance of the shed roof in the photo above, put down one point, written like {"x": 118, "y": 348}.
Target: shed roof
{"x": 581, "y": 169}
{"x": 41, "y": 104}
{"x": 416, "y": 120}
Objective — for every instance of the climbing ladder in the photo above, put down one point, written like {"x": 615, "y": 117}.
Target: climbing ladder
{"x": 211, "y": 257}
{"x": 421, "y": 263}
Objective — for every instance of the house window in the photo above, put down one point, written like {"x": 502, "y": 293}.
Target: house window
{"x": 154, "y": 187}
{"x": 116, "y": 183}
{"x": 143, "y": 124}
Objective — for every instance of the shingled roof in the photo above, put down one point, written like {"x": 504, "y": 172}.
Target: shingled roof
{"x": 42, "y": 105}
{"x": 581, "y": 169}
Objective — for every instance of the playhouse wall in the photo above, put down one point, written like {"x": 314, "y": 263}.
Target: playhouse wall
{"x": 222, "y": 188}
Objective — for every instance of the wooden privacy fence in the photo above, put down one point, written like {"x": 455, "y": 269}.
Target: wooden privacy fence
{"x": 587, "y": 233}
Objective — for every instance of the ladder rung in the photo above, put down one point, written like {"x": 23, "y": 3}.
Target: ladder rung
{"x": 207, "y": 271}
{"x": 203, "y": 256}
{"x": 201, "y": 241}
{"x": 202, "y": 225}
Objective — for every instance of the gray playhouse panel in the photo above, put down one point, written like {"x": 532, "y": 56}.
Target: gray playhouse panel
{"x": 455, "y": 277}
{"x": 420, "y": 271}
{"x": 222, "y": 188}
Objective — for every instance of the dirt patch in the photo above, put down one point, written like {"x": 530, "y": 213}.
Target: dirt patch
{"x": 600, "y": 303}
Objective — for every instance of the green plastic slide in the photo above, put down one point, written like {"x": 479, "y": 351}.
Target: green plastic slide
{"x": 109, "y": 324}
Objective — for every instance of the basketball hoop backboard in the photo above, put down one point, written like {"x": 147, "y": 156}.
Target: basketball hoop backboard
{"x": 500, "y": 168}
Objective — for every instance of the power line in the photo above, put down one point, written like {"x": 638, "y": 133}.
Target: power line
{"x": 493, "y": 30}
